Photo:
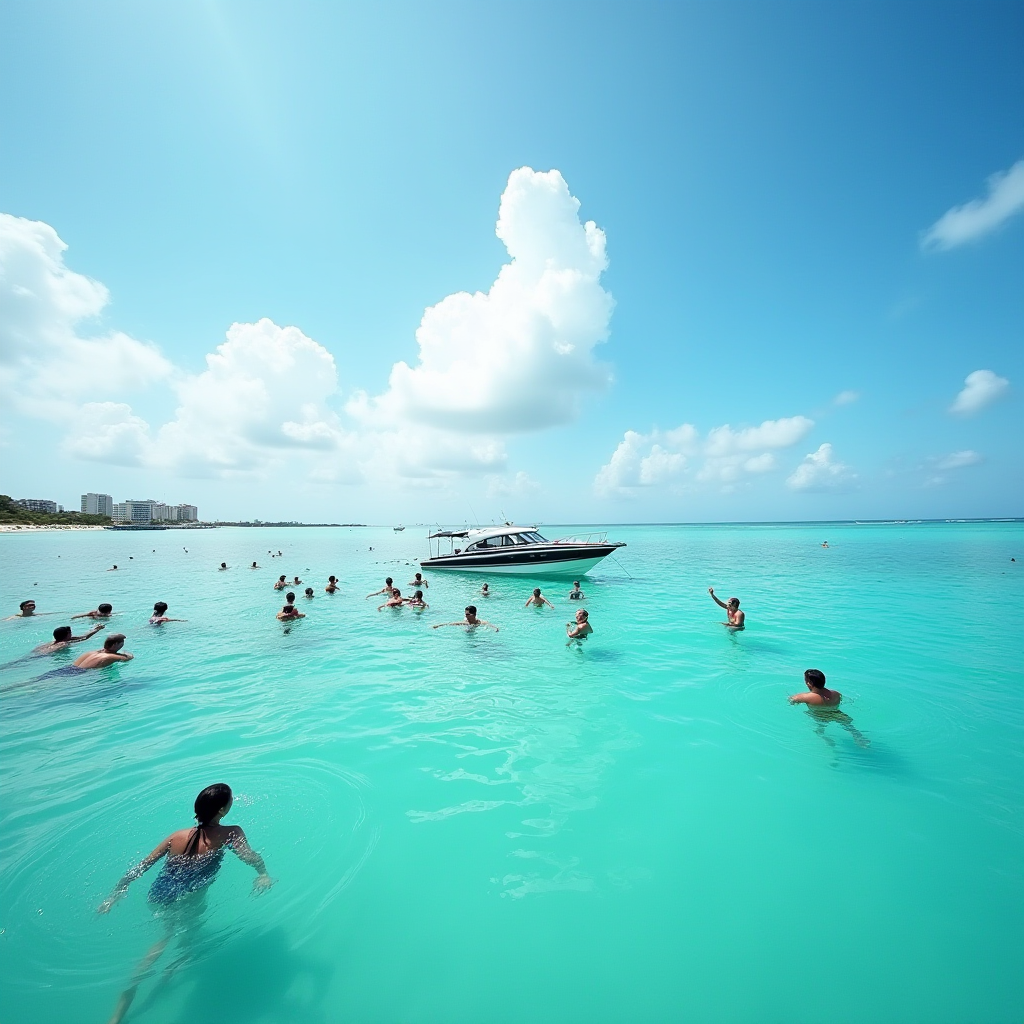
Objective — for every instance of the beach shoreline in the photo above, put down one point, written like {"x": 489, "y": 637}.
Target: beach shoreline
{"x": 26, "y": 527}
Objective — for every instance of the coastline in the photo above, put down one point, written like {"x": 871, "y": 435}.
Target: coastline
{"x": 22, "y": 527}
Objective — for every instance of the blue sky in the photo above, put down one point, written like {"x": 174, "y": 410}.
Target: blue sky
{"x": 781, "y": 197}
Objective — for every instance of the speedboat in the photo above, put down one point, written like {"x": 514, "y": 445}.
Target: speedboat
{"x": 518, "y": 550}
{"x": 399, "y": 528}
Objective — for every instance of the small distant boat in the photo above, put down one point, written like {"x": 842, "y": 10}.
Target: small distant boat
{"x": 519, "y": 550}
{"x": 399, "y": 528}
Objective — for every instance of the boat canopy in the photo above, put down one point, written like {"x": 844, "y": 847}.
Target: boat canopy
{"x": 484, "y": 532}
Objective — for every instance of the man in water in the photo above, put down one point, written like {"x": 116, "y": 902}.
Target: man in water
{"x": 159, "y": 616}
{"x": 418, "y": 581}
{"x": 102, "y": 611}
{"x": 469, "y": 620}
{"x": 332, "y": 585}
{"x": 110, "y": 653}
{"x": 281, "y": 583}
{"x": 581, "y": 628}
{"x": 387, "y": 589}
{"x": 296, "y": 582}
{"x": 394, "y": 601}
{"x": 537, "y": 600}
{"x": 576, "y": 594}
{"x": 308, "y": 593}
{"x": 289, "y": 612}
{"x": 224, "y": 565}
{"x": 28, "y": 609}
{"x": 113, "y": 568}
{"x": 416, "y": 601}
{"x": 732, "y": 611}
{"x": 819, "y": 695}
{"x": 823, "y": 706}
{"x": 255, "y": 566}
{"x": 62, "y": 638}
{"x": 485, "y": 591}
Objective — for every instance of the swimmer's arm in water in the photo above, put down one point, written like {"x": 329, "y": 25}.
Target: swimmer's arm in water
{"x": 121, "y": 657}
{"x": 92, "y": 632}
{"x": 547, "y": 602}
{"x": 802, "y": 698}
{"x": 247, "y": 855}
{"x": 131, "y": 874}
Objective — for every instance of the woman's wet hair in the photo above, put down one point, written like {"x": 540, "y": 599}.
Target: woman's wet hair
{"x": 105, "y": 609}
{"x": 208, "y": 805}
{"x": 114, "y": 640}
{"x": 62, "y": 633}
{"x": 815, "y": 677}
{"x": 158, "y": 609}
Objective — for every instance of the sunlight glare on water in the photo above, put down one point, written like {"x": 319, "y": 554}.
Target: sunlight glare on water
{"x": 495, "y": 827}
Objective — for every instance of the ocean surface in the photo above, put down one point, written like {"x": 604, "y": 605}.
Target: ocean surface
{"x": 494, "y": 827}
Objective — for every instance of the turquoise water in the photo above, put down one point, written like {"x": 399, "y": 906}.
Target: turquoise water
{"x": 498, "y": 828}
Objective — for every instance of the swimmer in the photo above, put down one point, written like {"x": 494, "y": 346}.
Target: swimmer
{"x": 416, "y": 601}
{"x": 418, "y": 581}
{"x": 281, "y": 583}
{"x": 296, "y": 582}
{"x": 469, "y": 620}
{"x": 332, "y": 585}
{"x": 113, "y": 568}
{"x": 485, "y": 591}
{"x": 737, "y": 619}
{"x": 822, "y": 706}
{"x": 824, "y": 543}
{"x": 394, "y": 601}
{"x": 62, "y": 638}
{"x": 110, "y": 653}
{"x": 580, "y": 629}
{"x": 308, "y": 593}
{"x": 819, "y": 695}
{"x": 537, "y": 600}
{"x": 27, "y": 610}
{"x": 159, "y": 617}
{"x": 101, "y": 611}
{"x": 194, "y": 857}
{"x": 387, "y": 589}
{"x": 255, "y": 566}
{"x": 279, "y": 555}
{"x": 223, "y": 565}
{"x": 576, "y": 594}
{"x": 289, "y": 612}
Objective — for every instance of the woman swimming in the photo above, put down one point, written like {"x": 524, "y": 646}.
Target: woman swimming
{"x": 194, "y": 857}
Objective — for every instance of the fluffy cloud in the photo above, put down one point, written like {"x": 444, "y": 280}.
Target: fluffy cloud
{"x": 109, "y": 432}
{"x": 981, "y": 388}
{"x": 979, "y": 217}
{"x": 520, "y": 356}
{"x": 957, "y": 460}
{"x": 724, "y": 456}
{"x": 820, "y": 472}
{"x": 46, "y": 364}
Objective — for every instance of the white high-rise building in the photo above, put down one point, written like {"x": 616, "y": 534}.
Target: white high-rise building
{"x": 150, "y": 511}
{"x": 97, "y": 504}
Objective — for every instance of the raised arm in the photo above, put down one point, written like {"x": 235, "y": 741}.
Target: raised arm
{"x": 92, "y": 632}
{"x": 247, "y": 855}
{"x": 131, "y": 874}
{"x": 721, "y": 604}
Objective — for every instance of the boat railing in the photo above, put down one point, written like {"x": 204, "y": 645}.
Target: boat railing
{"x": 598, "y": 537}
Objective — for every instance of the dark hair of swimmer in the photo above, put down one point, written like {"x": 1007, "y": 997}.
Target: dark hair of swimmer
{"x": 389, "y": 581}
{"x": 223, "y": 565}
{"x": 536, "y": 591}
{"x": 280, "y": 579}
{"x": 418, "y": 595}
{"x": 733, "y": 602}
{"x": 289, "y": 609}
{"x": 575, "y": 583}
{"x": 61, "y": 633}
{"x": 114, "y": 641}
{"x": 309, "y": 591}
{"x": 395, "y": 592}
{"x": 815, "y": 677}
{"x": 105, "y": 609}
{"x": 290, "y": 597}
{"x": 208, "y": 805}
{"x": 331, "y": 579}
{"x": 160, "y": 607}
{"x": 471, "y": 609}
{"x": 584, "y": 613}
{"x": 25, "y": 604}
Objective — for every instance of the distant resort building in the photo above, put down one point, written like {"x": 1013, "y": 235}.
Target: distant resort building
{"x": 37, "y": 504}
{"x": 150, "y": 511}
{"x": 98, "y": 504}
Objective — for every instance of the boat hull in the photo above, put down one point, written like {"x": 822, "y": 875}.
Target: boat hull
{"x": 576, "y": 561}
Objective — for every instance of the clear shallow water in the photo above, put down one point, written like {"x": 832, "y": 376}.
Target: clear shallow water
{"x": 493, "y": 827}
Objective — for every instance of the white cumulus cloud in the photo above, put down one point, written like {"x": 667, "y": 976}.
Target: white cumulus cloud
{"x": 519, "y": 356}
{"x": 724, "y": 456}
{"x": 47, "y": 361}
{"x": 821, "y": 472}
{"x": 979, "y": 217}
{"x": 981, "y": 388}
{"x": 108, "y": 432}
